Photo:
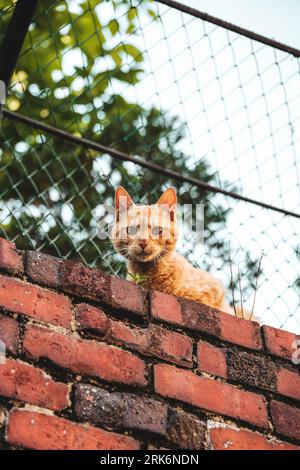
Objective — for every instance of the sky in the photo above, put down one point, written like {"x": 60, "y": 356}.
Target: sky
{"x": 282, "y": 16}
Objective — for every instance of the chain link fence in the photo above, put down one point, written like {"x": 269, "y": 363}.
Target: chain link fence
{"x": 145, "y": 79}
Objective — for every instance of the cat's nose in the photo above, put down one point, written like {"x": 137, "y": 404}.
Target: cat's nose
{"x": 143, "y": 244}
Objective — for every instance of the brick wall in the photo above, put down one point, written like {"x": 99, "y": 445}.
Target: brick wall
{"x": 94, "y": 362}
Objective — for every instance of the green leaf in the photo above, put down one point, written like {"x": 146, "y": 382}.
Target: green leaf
{"x": 134, "y": 52}
{"x": 113, "y": 26}
{"x": 128, "y": 77}
{"x": 152, "y": 13}
{"x": 132, "y": 13}
{"x": 116, "y": 57}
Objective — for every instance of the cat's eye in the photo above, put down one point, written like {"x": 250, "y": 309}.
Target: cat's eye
{"x": 131, "y": 230}
{"x": 156, "y": 231}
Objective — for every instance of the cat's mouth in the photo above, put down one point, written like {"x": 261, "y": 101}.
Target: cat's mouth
{"x": 145, "y": 257}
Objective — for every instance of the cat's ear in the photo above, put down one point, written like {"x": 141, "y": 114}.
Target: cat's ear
{"x": 169, "y": 200}
{"x": 122, "y": 199}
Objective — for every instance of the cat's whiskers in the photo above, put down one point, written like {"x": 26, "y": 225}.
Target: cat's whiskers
{"x": 160, "y": 255}
{"x": 126, "y": 253}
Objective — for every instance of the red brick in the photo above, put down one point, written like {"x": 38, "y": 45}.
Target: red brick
{"x": 258, "y": 371}
{"x": 137, "y": 338}
{"x": 10, "y": 260}
{"x": 286, "y": 419}
{"x": 239, "y": 331}
{"x": 24, "y": 382}
{"x": 186, "y": 313}
{"x": 82, "y": 281}
{"x": 152, "y": 341}
{"x": 115, "y": 409}
{"x": 92, "y": 284}
{"x": 9, "y": 333}
{"x": 86, "y": 357}
{"x": 126, "y": 410}
{"x": 22, "y": 297}
{"x": 200, "y": 317}
{"x": 155, "y": 341}
{"x": 43, "y": 432}
{"x": 91, "y": 318}
{"x": 242, "y": 366}
{"x": 185, "y": 430}
{"x": 42, "y": 268}
{"x": 125, "y": 295}
{"x": 279, "y": 343}
{"x": 210, "y": 395}
{"x": 288, "y": 383}
{"x": 225, "y": 438}
{"x": 212, "y": 359}
{"x": 166, "y": 307}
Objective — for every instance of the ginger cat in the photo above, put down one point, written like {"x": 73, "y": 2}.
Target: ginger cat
{"x": 146, "y": 236}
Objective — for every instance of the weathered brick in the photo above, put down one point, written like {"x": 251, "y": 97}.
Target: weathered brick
{"x": 22, "y": 297}
{"x": 75, "y": 278}
{"x": 126, "y": 410}
{"x": 239, "y": 331}
{"x": 185, "y": 430}
{"x": 262, "y": 372}
{"x": 279, "y": 342}
{"x": 187, "y": 313}
{"x": 10, "y": 260}
{"x": 259, "y": 371}
{"x": 155, "y": 341}
{"x": 226, "y": 438}
{"x": 82, "y": 281}
{"x": 210, "y": 395}
{"x": 125, "y": 295}
{"x": 9, "y": 333}
{"x": 24, "y": 382}
{"x": 91, "y": 318}
{"x": 86, "y": 357}
{"x": 286, "y": 419}
{"x": 166, "y": 307}
{"x": 241, "y": 366}
{"x": 200, "y": 317}
{"x": 288, "y": 383}
{"x": 212, "y": 359}
{"x": 43, "y": 432}
{"x": 130, "y": 411}
{"x": 42, "y": 268}
{"x": 151, "y": 341}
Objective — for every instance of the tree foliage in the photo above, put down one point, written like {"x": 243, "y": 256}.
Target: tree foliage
{"x": 51, "y": 190}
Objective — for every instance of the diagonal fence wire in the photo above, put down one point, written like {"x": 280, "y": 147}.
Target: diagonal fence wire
{"x": 193, "y": 102}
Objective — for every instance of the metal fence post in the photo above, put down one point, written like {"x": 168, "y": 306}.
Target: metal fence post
{"x": 14, "y": 38}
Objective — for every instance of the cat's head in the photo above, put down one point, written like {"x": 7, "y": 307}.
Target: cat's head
{"x": 145, "y": 233}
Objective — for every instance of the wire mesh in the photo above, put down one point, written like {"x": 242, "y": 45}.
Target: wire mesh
{"x": 155, "y": 82}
